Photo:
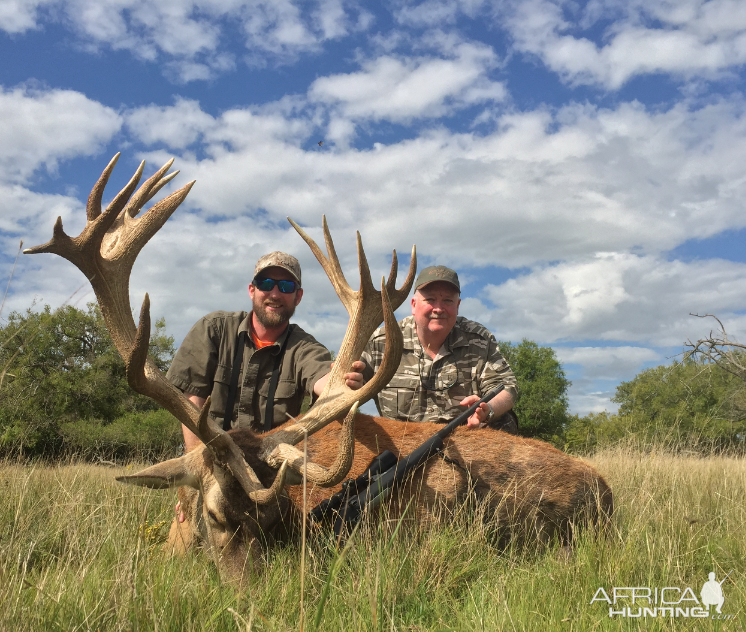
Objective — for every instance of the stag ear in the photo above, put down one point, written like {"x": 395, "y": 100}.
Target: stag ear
{"x": 171, "y": 473}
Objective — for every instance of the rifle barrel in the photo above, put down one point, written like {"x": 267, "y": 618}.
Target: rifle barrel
{"x": 385, "y": 480}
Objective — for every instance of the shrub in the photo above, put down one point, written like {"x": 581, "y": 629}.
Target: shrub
{"x": 149, "y": 435}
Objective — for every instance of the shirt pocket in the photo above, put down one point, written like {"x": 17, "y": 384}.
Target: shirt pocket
{"x": 400, "y": 398}
{"x": 220, "y": 388}
{"x": 285, "y": 403}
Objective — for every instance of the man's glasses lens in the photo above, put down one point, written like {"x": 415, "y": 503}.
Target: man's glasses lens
{"x": 266, "y": 285}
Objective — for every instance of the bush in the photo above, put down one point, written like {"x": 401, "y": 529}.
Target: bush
{"x": 59, "y": 367}
{"x": 150, "y": 435}
{"x": 542, "y": 388}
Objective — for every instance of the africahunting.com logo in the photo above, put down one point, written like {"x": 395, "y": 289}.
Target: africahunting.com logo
{"x": 670, "y": 601}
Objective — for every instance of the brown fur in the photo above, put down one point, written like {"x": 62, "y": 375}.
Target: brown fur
{"x": 522, "y": 480}
{"x": 528, "y": 486}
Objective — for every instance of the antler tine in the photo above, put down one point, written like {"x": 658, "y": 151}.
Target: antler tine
{"x": 119, "y": 202}
{"x": 338, "y": 276}
{"x": 164, "y": 181}
{"x": 134, "y": 364}
{"x": 93, "y": 208}
{"x": 330, "y": 265}
{"x": 398, "y": 296}
{"x": 366, "y": 282}
{"x": 318, "y": 474}
{"x": 146, "y": 192}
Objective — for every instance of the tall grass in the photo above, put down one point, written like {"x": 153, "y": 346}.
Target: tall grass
{"x": 80, "y": 552}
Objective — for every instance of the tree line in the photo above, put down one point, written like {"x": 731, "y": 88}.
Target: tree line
{"x": 63, "y": 390}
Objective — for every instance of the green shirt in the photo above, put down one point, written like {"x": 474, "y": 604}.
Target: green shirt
{"x": 204, "y": 363}
{"x": 425, "y": 389}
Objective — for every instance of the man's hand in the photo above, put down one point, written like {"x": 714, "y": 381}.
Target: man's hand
{"x": 481, "y": 414}
{"x": 354, "y": 379}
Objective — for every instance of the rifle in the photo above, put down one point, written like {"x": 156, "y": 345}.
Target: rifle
{"x": 374, "y": 485}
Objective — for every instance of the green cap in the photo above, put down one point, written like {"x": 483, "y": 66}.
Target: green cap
{"x": 280, "y": 260}
{"x": 437, "y": 273}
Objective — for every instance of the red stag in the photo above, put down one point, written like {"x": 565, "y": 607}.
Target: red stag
{"x": 241, "y": 484}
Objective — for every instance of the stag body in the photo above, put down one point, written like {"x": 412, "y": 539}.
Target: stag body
{"x": 527, "y": 486}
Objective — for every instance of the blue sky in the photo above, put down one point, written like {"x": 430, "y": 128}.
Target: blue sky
{"x": 582, "y": 164}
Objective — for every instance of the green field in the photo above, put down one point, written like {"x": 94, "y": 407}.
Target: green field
{"x": 79, "y": 551}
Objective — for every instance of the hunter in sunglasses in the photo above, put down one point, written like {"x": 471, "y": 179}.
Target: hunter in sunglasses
{"x": 256, "y": 366}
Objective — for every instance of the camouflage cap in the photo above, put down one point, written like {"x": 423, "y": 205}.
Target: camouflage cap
{"x": 281, "y": 260}
{"x": 437, "y": 273}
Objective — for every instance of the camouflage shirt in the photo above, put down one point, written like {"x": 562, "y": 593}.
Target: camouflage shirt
{"x": 423, "y": 389}
{"x": 204, "y": 363}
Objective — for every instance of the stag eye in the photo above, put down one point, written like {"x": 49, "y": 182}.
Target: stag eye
{"x": 212, "y": 517}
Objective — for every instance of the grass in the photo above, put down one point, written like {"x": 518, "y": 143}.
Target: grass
{"x": 79, "y": 551}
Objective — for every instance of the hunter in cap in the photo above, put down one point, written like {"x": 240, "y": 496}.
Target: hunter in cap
{"x": 256, "y": 366}
{"x": 449, "y": 362}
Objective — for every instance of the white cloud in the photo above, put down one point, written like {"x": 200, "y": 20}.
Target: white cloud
{"x": 18, "y": 16}
{"x": 436, "y": 12}
{"x": 190, "y": 37}
{"x": 400, "y": 89}
{"x": 42, "y": 127}
{"x": 619, "y": 297}
{"x": 608, "y": 362}
{"x": 543, "y": 186}
{"x": 176, "y": 126}
{"x": 692, "y": 38}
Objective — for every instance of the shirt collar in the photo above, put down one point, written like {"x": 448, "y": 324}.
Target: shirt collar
{"x": 246, "y": 326}
{"x": 456, "y": 337}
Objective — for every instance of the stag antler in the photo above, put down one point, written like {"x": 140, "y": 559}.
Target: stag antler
{"x": 367, "y": 308}
{"x": 105, "y": 252}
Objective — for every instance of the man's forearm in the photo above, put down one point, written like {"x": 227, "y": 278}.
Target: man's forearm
{"x": 501, "y": 403}
{"x": 191, "y": 440}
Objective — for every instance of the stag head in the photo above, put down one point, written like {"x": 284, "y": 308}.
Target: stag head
{"x": 237, "y": 477}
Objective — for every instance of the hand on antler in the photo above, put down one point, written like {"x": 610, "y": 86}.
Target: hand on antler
{"x": 353, "y": 379}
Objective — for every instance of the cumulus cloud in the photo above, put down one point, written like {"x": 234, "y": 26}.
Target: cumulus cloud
{"x": 39, "y": 128}
{"x": 190, "y": 37}
{"x": 400, "y": 88}
{"x": 619, "y": 297}
{"x": 543, "y": 186}
{"x": 18, "y": 16}
{"x": 608, "y": 362}
{"x": 692, "y": 38}
{"x": 176, "y": 126}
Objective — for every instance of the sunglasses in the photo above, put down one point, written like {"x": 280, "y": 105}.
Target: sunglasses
{"x": 266, "y": 285}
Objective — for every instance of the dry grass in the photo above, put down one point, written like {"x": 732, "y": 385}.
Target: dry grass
{"x": 79, "y": 552}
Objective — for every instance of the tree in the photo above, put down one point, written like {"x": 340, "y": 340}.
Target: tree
{"x": 542, "y": 405}
{"x": 61, "y": 366}
{"x": 693, "y": 403}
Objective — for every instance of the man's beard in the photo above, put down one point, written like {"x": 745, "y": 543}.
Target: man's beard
{"x": 273, "y": 319}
